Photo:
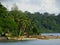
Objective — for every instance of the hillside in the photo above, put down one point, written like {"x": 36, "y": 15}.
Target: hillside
{"x": 45, "y": 22}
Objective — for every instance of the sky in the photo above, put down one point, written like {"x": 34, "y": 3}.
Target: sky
{"x": 50, "y": 6}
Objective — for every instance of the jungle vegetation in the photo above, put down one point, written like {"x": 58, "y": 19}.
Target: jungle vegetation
{"x": 16, "y": 22}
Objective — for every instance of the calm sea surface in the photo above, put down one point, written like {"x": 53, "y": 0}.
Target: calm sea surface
{"x": 34, "y": 42}
{"x": 47, "y": 34}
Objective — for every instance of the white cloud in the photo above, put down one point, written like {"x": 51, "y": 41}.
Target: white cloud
{"x": 49, "y": 6}
{"x": 28, "y": 7}
{"x": 35, "y": 5}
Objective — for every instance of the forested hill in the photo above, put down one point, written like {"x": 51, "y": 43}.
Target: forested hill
{"x": 45, "y": 22}
{"x": 16, "y": 22}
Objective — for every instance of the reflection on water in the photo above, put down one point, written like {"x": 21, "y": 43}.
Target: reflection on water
{"x": 34, "y": 42}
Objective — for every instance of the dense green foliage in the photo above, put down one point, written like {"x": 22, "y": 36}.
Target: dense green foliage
{"x": 17, "y": 23}
{"x": 45, "y": 22}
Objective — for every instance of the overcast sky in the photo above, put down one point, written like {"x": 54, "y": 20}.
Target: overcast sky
{"x": 51, "y": 6}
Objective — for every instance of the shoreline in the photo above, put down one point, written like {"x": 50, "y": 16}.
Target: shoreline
{"x": 45, "y": 37}
{"x": 35, "y": 37}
